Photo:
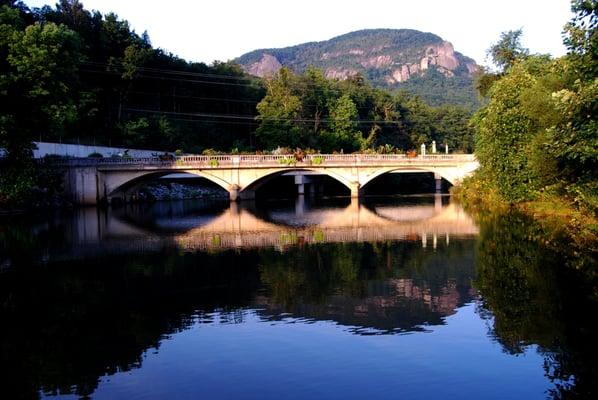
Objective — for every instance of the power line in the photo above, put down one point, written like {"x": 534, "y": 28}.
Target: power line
{"x": 175, "y": 72}
{"x": 203, "y": 121}
{"x": 165, "y": 78}
{"x": 141, "y": 76}
{"x": 178, "y": 96}
{"x": 205, "y": 75}
{"x": 254, "y": 118}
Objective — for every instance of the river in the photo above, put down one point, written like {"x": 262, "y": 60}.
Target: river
{"x": 387, "y": 297}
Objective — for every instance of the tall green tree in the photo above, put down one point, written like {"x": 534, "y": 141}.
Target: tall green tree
{"x": 511, "y": 127}
{"x": 537, "y": 135}
{"x": 574, "y": 140}
{"x": 37, "y": 90}
{"x": 279, "y": 112}
{"x": 508, "y": 50}
{"x": 342, "y": 133}
{"x": 38, "y": 83}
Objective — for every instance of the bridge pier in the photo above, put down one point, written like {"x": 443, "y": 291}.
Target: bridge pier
{"x": 301, "y": 181}
{"x": 233, "y": 192}
{"x": 437, "y": 202}
{"x": 82, "y": 185}
{"x": 438, "y": 179}
{"x": 356, "y": 190}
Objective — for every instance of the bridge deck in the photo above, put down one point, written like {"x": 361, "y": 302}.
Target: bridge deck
{"x": 268, "y": 161}
{"x": 91, "y": 181}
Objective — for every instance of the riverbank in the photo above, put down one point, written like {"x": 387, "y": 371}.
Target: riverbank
{"x": 558, "y": 220}
{"x": 172, "y": 190}
{"x": 154, "y": 191}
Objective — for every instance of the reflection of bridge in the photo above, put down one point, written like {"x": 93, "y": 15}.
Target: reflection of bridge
{"x": 91, "y": 181}
{"x": 238, "y": 227}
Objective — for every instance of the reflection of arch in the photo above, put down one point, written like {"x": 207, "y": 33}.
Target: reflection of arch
{"x": 384, "y": 171}
{"x": 260, "y": 181}
{"x": 409, "y": 211}
{"x": 159, "y": 215}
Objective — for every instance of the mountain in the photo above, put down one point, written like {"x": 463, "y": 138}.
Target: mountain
{"x": 418, "y": 62}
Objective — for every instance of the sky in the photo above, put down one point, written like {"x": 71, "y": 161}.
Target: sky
{"x": 222, "y": 30}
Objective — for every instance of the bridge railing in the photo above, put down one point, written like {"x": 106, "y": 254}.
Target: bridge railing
{"x": 254, "y": 160}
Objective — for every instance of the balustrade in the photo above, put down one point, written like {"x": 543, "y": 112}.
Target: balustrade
{"x": 313, "y": 160}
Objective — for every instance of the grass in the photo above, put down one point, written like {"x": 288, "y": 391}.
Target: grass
{"x": 554, "y": 213}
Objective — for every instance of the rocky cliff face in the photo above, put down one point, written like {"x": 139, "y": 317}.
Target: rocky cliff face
{"x": 266, "y": 66}
{"x": 389, "y": 58}
{"x": 398, "y": 60}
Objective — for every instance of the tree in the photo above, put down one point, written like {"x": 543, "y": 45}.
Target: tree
{"x": 508, "y": 50}
{"x": 316, "y": 93}
{"x": 37, "y": 79}
{"x": 38, "y": 84}
{"x": 507, "y": 146}
{"x": 537, "y": 135}
{"x": 581, "y": 37}
{"x": 342, "y": 133}
{"x": 279, "y": 112}
{"x": 452, "y": 127}
{"x": 574, "y": 141}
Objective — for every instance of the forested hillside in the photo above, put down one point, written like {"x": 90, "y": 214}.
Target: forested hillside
{"x": 419, "y": 63}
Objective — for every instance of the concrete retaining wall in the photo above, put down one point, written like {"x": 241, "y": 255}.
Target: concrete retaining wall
{"x": 78, "y": 150}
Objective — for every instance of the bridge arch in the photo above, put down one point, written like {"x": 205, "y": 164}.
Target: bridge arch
{"x": 122, "y": 183}
{"x": 270, "y": 174}
{"x": 443, "y": 173}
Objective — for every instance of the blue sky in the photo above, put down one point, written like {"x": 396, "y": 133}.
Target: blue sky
{"x": 223, "y": 30}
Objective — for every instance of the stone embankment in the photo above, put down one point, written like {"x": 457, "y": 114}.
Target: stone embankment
{"x": 158, "y": 191}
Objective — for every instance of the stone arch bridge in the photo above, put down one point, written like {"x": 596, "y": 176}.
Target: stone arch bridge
{"x": 92, "y": 181}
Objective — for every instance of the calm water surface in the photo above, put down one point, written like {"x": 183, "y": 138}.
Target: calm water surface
{"x": 388, "y": 298}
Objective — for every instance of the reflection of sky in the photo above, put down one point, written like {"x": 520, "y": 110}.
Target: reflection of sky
{"x": 294, "y": 359}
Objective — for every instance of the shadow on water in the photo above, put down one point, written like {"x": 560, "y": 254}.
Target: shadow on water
{"x": 68, "y": 321}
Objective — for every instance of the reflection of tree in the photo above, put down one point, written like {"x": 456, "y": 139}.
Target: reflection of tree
{"x": 311, "y": 273}
{"x": 65, "y": 326}
{"x": 28, "y": 245}
{"x": 387, "y": 286}
{"x": 536, "y": 297}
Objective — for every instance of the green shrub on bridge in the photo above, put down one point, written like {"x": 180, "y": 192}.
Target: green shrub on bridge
{"x": 288, "y": 161}
{"x": 317, "y": 160}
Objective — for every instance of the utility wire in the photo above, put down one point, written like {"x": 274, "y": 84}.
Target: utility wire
{"x": 179, "y": 96}
{"x": 198, "y": 74}
{"x": 254, "y": 118}
{"x": 175, "y": 72}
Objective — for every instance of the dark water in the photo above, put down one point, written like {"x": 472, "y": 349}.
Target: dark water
{"x": 391, "y": 298}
